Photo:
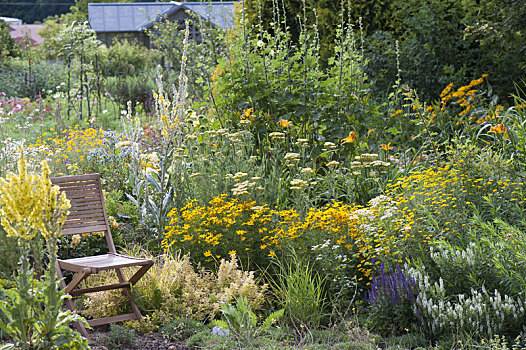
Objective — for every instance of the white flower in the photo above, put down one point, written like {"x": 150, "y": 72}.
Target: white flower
{"x": 260, "y": 43}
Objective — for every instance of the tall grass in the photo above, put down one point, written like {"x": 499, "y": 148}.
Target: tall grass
{"x": 300, "y": 292}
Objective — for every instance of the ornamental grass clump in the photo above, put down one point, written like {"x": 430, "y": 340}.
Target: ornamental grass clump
{"x": 31, "y": 314}
{"x": 300, "y": 292}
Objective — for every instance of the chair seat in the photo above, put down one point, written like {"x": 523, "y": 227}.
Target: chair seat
{"x": 98, "y": 263}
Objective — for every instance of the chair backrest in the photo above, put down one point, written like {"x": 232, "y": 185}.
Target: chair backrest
{"x": 87, "y": 213}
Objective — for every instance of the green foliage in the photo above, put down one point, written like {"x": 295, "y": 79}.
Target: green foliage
{"x": 125, "y": 58}
{"x": 443, "y": 41}
{"x": 367, "y": 16}
{"x": 9, "y": 250}
{"x": 137, "y": 87}
{"x": 476, "y": 284}
{"x": 501, "y": 343}
{"x": 497, "y": 195}
{"x": 53, "y": 26}
{"x": 279, "y": 80}
{"x": 8, "y": 45}
{"x": 490, "y": 256}
{"x": 119, "y": 337}
{"x": 440, "y": 40}
{"x": 480, "y": 312}
{"x": 515, "y": 119}
{"x": 130, "y": 72}
{"x": 391, "y": 299}
{"x": 31, "y": 314}
{"x": 182, "y": 328}
{"x": 242, "y": 321}
{"x": 172, "y": 288}
{"x": 300, "y": 292}
{"x": 17, "y": 78}
{"x": 202, "y": 52}
{"x": 117, "y": 206}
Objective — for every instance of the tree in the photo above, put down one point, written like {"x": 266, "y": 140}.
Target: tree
{"x": 8, "y": 45}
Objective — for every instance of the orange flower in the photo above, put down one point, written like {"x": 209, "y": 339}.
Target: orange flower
{"x": 247, "y": 114}
{"x": 498, "y": 129}
{"x": 397, "y": 112}
{"x": 285, "y": 123}
{"x": 386, "y": 147}
{"x": 349, "y": 139}
{"x": 370, "y": 131}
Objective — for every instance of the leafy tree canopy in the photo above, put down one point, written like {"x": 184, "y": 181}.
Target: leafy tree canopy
{"x": 8, "y": 46}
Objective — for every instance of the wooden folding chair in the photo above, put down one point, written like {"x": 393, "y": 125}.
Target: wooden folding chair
{"x": 88, "y": 215}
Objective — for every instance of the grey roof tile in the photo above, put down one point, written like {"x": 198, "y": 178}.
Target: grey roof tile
{"x": 133, "y": 17}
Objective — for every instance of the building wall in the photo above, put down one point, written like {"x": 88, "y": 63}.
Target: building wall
{"x": 141, "y": 38}
{"x": 138, "y": 37}
{"x": 180, "y": 17}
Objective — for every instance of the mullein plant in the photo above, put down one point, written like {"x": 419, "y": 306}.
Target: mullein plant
{"x": 284, "y": 80}
{"x": 31, "y": 313}
{"x": 153, "y": 184}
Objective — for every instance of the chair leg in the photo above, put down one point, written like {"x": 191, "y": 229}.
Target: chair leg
{"x": 137, "y": 276}
{"x": 80, "y": 326}
{"x": 127, "y": 293}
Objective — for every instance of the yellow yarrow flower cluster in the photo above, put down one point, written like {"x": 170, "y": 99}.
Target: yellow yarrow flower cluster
{"x": 29, "y": 204}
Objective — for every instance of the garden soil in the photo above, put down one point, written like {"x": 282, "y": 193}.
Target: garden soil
{"x": 152, "y": 341}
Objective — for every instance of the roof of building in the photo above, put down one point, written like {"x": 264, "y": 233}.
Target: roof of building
{"x": 134, "y": 17}
{"x": 20, "y": 32}
{"x": 11, "y": 20}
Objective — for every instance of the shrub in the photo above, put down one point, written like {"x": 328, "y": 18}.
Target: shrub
{"x": 204, "y": 230}
{"x": 441, "y": 200}
{"x": 279, "y": 79}
{"x": 125, "y": 58}
{"x": 343, "y": 239}
{"x": 136, "y": 88}
{"x": 172, "y": 288}
{"x": 8, "y": 46}
{"x": 20, "y": 80}
{"x": 476, "y": 285}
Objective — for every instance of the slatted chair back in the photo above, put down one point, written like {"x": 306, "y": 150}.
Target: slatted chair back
{"x": 87, "y": 213}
